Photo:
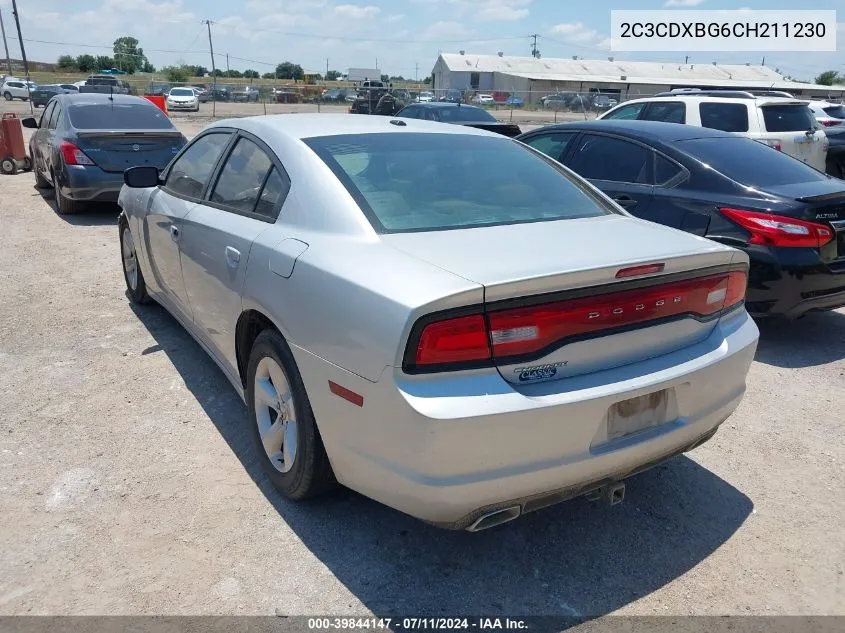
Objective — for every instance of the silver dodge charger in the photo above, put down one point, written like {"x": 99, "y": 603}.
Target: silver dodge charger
{"x": 438, "y": 317}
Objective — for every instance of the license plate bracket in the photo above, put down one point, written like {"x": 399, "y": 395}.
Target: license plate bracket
{"x": 641, "y": 413}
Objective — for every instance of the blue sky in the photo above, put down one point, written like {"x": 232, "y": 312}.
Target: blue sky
{"x": 400, "y": 35}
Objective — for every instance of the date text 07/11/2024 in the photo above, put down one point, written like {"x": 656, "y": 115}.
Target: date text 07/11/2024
{"x": 415, "y": 624}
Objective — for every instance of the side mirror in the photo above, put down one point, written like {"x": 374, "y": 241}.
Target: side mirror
{"x": 30, "y": 122}
{"x": 141, "y": 177}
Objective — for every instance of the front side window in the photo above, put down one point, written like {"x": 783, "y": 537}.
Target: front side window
{"x": 611, "y": 159}
{"x": 728, "y": 117}
{"x": 192, "y": 169}
{"x": 48, "y": 112}
{"x": 427, "y": 182}
{"x": 242, "y": 177}
{"x": 626, "y": 112}
{"x": 54, "y": 116}
{"x": 666, "y": 111}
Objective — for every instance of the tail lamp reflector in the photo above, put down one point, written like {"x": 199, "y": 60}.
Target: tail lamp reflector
{"x": 72, "y": 155}
{"x": 775, "y": 230}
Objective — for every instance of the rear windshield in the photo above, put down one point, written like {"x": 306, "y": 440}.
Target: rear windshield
{"x": 788, "y": 118}
{"x": 465, "y": 113}
{"x": 837, "y": 112}
{"x": 750, "y": 163}
{"x": 182, "y": 92}
{"x": 428, "y": 182}
{"x": 118, "y": 116}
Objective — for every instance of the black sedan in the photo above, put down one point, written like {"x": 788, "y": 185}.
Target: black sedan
{"x": 788, "y": 217}
{"x": 41, "y": 95}
{"x": 84, "y": 142}
{"x": 459, "y": 114}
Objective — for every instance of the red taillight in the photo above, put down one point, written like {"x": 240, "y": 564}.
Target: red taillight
{"x": 519, "y": 332}
{"x": 776, "y": 230}
{"x": 829, "y": 122}
{"x": 459, "y": 340}
{"x": 72, "y": 155}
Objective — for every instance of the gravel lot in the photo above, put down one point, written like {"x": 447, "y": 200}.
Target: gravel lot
{"x": 128, "y": 483}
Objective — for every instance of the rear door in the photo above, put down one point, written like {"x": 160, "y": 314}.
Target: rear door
{"x": 666, "y": 111}
{"x": 184, "y": 186}
{"x": 621, "y": 168}
{"x": 243, "y": 201}
{"x": 40, "y": 145}
{"x": 553, "y": 144}
{"x": 793, "y": 126}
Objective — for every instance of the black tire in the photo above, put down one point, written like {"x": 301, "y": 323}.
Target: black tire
{"x": 139, "y": 293}
{"x": 40, "y": 181}
{"x": 64, "y": 205}
{"x": 311, "y": 473}
{"x": 8, "y": 96}
{"x": 8, "y": 166}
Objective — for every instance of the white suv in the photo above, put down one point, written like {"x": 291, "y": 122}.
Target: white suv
{"x": 782, "y": 122}
{"x": 828, "y": 114}
{"x": 16, "y": 89}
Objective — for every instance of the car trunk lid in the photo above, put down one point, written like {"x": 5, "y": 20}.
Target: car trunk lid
{"x": 552, "y": 268}
{"x": 117, "y": 151}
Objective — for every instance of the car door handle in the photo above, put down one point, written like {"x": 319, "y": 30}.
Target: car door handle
{"x": 233, "y": 257}
{"x": 174, "y": 232}
{"x": 624, "y": 201}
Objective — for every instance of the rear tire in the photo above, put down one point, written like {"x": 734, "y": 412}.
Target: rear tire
{"x": 40, "y": 181}
{"x": 7, "y": 96}
{"x": 304, "y": 471}
{"x": 64, "y": 205}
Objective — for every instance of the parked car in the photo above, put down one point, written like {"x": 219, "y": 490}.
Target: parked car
{"x": 84, "y": 142}
{"x": 16, "y": 89}
{"x": 202, "y": 94}
{"x": 452, "y": 96}
{"x": 282, "y": 95}
{"x": 828, "y": 114}
{"x": 458, "y": 114}
{"x": 116, "y": 85}
{"x": 425, "y": 97}
{"x": 245, "y": 94}
{"x": 557, "y": 100}
{"x": 40, "y": 95}
{"x": 378, "y": 344}
{"x": 483, "y": 99}
{"x": 156, "y": 89}
{"x": 786, "y": 216}
{"x": 836, "y": 151}
{"x": 69, "y": 88}
{"x": 514, "y": 102}
{"x": 333, "y": 95}
{"x": 784, "y": 123}
{"x": 183, "y": 99}
{"x": 603, "y": 102}
{"x": 222, "y": 92}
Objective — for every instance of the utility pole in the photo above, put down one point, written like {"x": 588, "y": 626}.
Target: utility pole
{"x": 213, "y": 72}
{"x": 535, "y": 52}
{"x": 23, "y": 52}
{"x": 327, "y": 68}
{"x": 227, "y": 64}
{"x": 686, "y": 60}
{"x": 5, "y": 44}
{"x": 417, "y": 72}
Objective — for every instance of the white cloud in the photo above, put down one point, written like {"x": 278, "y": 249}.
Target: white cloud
{"x": 682, "y": 3}
{"x": 445, "y": 29}
{"x": 482, "y": 10}
{"x": 494, "y": 12}
{"x": 576, "y": 32}
{"x": 357, "y": 12}
{"x": 394, "y": 18}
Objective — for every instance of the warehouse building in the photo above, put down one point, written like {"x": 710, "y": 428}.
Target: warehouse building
{"x": 531, "y": 78}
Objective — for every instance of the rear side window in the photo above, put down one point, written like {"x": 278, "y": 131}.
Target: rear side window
{"x": 465, "y": 113}
{"x": 665, "y": 170}
{"x": 788, "y": 118}
{"x": 411, "y": 112}
{"x": 552, "y": 145}
{"x": 242, "y": 177}
{"x": 54, "y": 116}
{"x": 627, "y": 112}
{"x": 192, "y": 169}
{"x": 728, "y": 117}
{"x": 837, "y": 112}
{"x": 748, "y": 162}
{"x": 427, "y": 182}
{"x": 612, "y": 159}
{"x": 118, "y": 116}
{"x": 666, "y": 111}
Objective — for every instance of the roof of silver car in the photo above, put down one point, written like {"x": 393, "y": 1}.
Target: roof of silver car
{"x": 311, "y": 125}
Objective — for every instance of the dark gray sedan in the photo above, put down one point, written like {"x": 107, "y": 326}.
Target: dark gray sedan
{"x": 84, "y": 142}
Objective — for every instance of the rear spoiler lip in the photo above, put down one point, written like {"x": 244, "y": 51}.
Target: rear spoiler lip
{"x": 91, "y": 133}
{"x": 825, "y": 197}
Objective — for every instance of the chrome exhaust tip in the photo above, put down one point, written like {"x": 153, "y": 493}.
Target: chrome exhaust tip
{"x": 494, "y": 518}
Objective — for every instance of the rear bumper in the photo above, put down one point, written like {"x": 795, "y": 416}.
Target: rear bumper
{"x": 792, "y": 282}
{"x": 90, "y": 184}
{"x": 447, "y": 449}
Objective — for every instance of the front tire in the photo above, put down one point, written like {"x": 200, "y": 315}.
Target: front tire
{"x": 136, "y": 287}
{"x": 282, "y": 423}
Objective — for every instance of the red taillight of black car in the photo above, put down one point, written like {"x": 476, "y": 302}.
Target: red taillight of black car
{"x": 776, "y": 230}
{"x": 72, "y": 155}
{"x": 500, "y": 335}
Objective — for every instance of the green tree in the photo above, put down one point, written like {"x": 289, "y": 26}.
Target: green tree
{"x": 398, "y": 78}
{"x": 234, "y": 74}
{"x": 332, "y": 75}
{"x": 829, "y": 77}
{"x": 128, "y": 55}
{"x": 86, "y": 63}
{"x": 251, "y": 74}
{"x": 103, "y": 62}
{"x": 268, "y": 76}
{"x": 148, "y": 67}
{"x": 176, "y": 74}
{"x": 219, "y": 73}
{"x": 288, "y": 70}
{"x": 66, "y": 62}
{"x": 427, "y": 80}
{"x": 385, "y": 78}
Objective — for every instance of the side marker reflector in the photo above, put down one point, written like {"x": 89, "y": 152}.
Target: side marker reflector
{"x": 346, "y": 394}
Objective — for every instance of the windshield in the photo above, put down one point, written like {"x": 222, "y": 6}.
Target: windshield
{"x": 750, "y": 163}
{"x": 118, "y": 116}
{"x": 427, "y": 182}
{"x": 837, "y": 112}
{"x": 181, "y": 92}
{"x": 464, "y": 113}
{"x": 788, "y": 118}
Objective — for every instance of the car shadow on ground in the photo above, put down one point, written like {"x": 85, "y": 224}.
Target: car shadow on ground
{"x": 578, "y": 559}
{"x": 816, "y": 339}
{"x": 92, "y": 214}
